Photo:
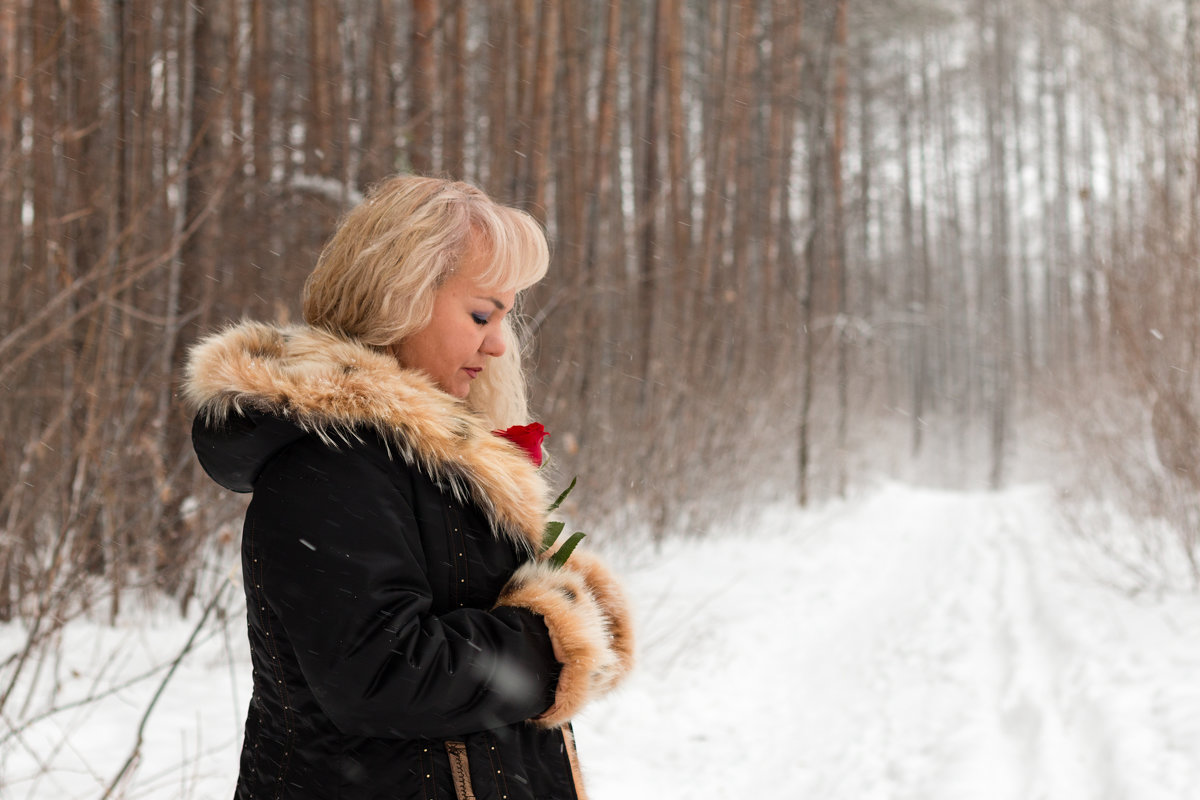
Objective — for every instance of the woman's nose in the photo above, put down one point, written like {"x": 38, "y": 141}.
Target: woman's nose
{"x": 493, "y": 345}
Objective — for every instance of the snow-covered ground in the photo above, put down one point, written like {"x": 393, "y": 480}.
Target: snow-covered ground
{"x": 910, "y": 644}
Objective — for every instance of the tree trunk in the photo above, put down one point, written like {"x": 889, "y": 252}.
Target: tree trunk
{"x": 1001, "y": 351}
{"x": 48, "y": 29}
{"x": 671, "y": 24}
{"x": 455, "y": 107}
{"x": 498, "y": 85}
{"x": 324, "y": 81}
{"x": 379, "y": 158}
{"x": 814, "y": 255}
{"x": 542, "y": 115}
{"x": 422, "y": 82}
{"x": 1063, "y": 246}
{"x": 838, "y": 235}
{"x": 914, "y": 303}
{"x": 645, "y": 215}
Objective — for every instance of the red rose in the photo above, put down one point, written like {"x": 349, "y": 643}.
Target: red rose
{"x": 528, "y": 438}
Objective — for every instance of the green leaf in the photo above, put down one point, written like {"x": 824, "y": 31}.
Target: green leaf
{"x": 562, "y": 496}
{"x": 550, "y": 536}
{"x": 563, "y": 553}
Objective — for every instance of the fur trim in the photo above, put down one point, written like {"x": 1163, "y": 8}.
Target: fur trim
{"x": 579, "y": 631}
{"x": 607, "y": 591}
{"x": 331, "y": 387}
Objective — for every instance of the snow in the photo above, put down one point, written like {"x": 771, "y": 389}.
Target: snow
{"x": 912, "y": 643}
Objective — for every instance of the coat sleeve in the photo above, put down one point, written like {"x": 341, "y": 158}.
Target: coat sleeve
{"x": 343, "y": 570}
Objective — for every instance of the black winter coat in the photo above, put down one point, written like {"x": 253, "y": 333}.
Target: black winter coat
{"x": 373, "y": 561}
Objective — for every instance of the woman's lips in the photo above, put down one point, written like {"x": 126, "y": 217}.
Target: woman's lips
{"x": 473, "y": 371}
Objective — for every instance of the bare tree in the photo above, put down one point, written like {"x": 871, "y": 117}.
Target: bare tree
{"x": 823, "y": 216}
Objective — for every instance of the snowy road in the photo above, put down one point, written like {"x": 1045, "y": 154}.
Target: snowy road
{"x": 918, "y": 644}
{"x": 912, "y": 645}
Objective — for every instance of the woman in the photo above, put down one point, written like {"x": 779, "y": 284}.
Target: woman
{"x": 406, "y": 640}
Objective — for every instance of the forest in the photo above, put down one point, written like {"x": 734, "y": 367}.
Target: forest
{"x": 796, "y": 245}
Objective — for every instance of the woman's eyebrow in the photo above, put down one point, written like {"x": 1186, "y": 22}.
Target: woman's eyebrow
{"x": 499, "y": 306}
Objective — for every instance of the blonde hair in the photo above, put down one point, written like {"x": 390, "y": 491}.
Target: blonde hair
{"x": 376, "y": 278}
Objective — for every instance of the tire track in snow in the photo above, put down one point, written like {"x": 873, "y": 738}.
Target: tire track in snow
{"x": 849, "y": 695}
{"x": 1057, "y": 735}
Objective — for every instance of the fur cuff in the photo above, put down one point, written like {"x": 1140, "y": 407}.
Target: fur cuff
{"x": 608, "y": 593}
{"x": 580, "y": 630}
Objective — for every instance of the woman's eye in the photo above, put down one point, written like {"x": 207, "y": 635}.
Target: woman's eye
{"x": 480, "y": 319}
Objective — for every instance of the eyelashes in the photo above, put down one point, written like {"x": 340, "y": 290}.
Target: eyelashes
{"x": 480, "y": 319}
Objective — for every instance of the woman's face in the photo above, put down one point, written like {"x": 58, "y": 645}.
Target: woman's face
{"x": 464, "y": 333}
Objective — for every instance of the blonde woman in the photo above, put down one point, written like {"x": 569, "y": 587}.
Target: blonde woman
{"x": 406, "y": 639}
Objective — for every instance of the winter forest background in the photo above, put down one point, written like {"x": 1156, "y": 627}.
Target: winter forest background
{"x": 797, "y": 245}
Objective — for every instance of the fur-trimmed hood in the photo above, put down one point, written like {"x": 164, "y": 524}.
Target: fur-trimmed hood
{"x": 335, "y": 388}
